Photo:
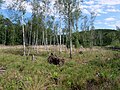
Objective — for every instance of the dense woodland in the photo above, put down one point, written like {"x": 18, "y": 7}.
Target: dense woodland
{"x": 11, "y": 34}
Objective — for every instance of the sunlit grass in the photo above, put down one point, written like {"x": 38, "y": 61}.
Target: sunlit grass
{"x": 93, "y": 69}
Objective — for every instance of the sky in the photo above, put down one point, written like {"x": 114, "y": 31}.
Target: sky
{"x": 107, "y": 11}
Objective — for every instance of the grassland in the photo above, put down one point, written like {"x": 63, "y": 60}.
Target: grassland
{"x": 92, "y": 70}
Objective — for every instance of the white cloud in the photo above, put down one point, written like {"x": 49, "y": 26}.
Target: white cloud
{"x": 110, "y": 19}
{"x": 89, "y": 2}
{"x": 94, "y": 7}
{"x": 110, "y": 6}
{"x": 101, "y": 6}
{"x": 108, "y": 23}
{"x": 113, "y": 10}
{"x": 28, "y": 7}
{"x": 85, "y": 11}
{"x": 101, "y": 11}
{"x": 109, "y": 2}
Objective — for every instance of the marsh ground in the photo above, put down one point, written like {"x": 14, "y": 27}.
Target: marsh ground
{"x": 93, "y": 69}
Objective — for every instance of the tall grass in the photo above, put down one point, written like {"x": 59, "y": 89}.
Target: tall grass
{"x": 88, "y": 71}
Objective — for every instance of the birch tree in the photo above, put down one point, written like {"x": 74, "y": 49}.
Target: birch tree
{"x": 69, "y": 6}
{"x": 19, "y": 7}
{"x": 46, "y": 9}
{"x": 92, "y": 28}
{"x": 35, "y": 13}
{"x": 85, "y": 28}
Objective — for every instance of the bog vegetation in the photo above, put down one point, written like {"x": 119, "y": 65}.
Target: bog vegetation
{"x": 99, "y": 69}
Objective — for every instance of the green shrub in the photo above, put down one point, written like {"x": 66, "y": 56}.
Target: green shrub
{"x": 115, "y": 43}
{"x": 77, "y": 44}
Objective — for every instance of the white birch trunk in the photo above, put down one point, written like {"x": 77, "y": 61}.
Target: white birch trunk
{"x": 23, "y": 30}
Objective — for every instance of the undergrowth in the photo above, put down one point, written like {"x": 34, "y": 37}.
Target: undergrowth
{"x": 88, "y": 71}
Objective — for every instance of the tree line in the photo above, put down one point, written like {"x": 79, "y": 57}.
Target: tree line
{"x": 11, "y": 34}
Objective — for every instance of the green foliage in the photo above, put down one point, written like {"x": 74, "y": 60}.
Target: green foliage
{"x": 102, "y": 37}
{"x": 68, "y": 44}
{"x": 11, "y": 34}
{"x": 55, "y": 75}
{"x": 77, "y": 44}
{"x": 116, "y": 43}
